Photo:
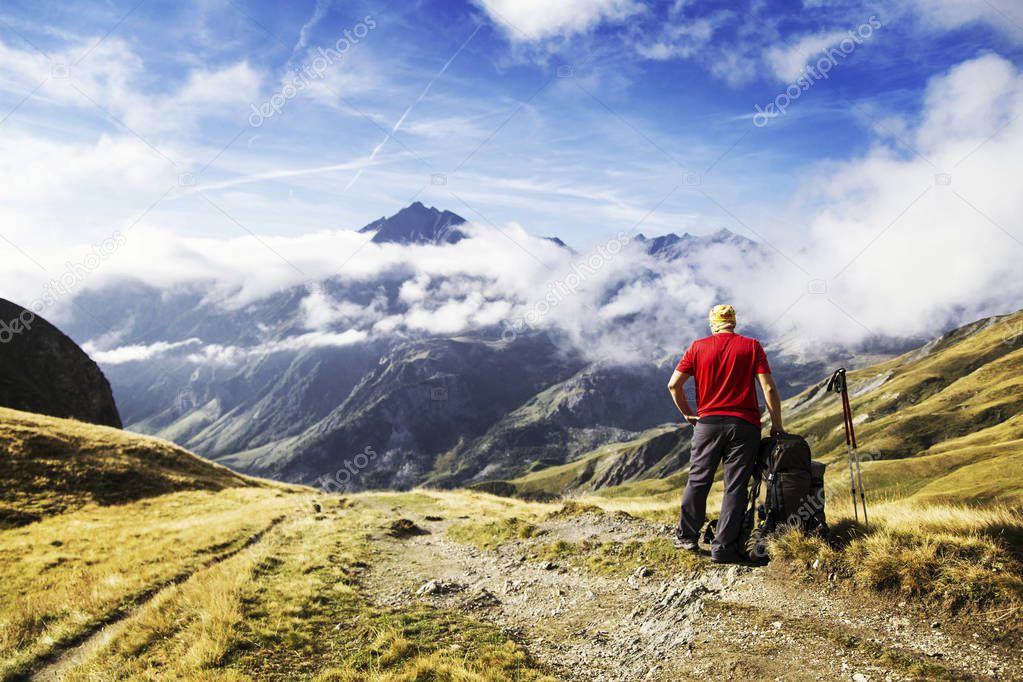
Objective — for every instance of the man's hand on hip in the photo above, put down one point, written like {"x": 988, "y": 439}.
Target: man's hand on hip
{"x": 691, "y": 419}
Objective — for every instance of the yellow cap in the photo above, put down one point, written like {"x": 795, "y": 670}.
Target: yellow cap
{"x": 722, "y": 317}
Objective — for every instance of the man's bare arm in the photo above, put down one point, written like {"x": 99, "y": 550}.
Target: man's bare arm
{"x": 773, "y": 400}
{"x": 675, "y": 384}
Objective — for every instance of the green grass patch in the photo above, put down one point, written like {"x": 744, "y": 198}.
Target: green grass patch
{"x": 493, "y": 534}
{"x": 623, "y": 558}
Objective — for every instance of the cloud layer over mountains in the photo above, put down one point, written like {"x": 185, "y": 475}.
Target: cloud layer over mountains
{"x": 921, "y": 231}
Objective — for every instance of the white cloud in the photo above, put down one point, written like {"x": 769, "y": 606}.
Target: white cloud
{"x": 1003, "y": 15}
{"x": 111, "y": 81}
{"x": 322, "y": 312}
{"x": 788, "y": 62}
{"x": 303, "y": 34}
{"x": 136, "y": 352}
{"x": 223, "y": 354}
{"x": 536, "y": 20}
{"x": 907, "y": 246}
{"x": 682, "y": 38}
{"x": 728, "y": 44}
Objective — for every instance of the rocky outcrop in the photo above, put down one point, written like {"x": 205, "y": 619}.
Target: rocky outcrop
{"x": 44, "y": 371}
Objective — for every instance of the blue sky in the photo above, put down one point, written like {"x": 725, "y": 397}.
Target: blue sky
{"x": 579, "y": 118}
{"x": 576, "y": 124}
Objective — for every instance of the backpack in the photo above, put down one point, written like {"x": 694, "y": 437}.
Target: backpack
{"x": 795, "y": 485}
{"x": 794, "y": 497}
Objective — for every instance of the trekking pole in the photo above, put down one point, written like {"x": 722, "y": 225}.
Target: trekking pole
{"x": 838, "y": 384}
{"x": 855, "y": 454}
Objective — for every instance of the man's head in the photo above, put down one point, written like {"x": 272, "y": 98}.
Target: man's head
{"x": 722, "y": 318}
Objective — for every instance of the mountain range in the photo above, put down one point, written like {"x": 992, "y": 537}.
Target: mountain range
{"x": 254, "y": 387}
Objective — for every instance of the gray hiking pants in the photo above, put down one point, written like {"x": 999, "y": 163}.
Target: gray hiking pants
{"x": 737, "y": 445}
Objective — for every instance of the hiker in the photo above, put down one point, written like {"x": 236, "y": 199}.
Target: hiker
{"x": 726, "y": 426}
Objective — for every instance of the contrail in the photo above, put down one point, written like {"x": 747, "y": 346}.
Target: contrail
{"x": 303, "y": 34}
{"x": 401, "y": 120}
{"x": 272, "y": 175}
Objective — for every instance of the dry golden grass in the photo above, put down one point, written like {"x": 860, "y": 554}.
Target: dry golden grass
{"x": 52, "y": 465}
{"x": 291, "y": 608}
{"x": 63, "y": 575}
{"x": 94, "y": 521}
{"x": 183, "y": 633}
{"x": 456, "y": 503}
{"x": 952, "y": 557}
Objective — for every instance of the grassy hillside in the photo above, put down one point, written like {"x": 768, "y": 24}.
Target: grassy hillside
{"x": 127, "y": 557}
{"x": 933, "y": 424}
{"x": 55, "y": 465}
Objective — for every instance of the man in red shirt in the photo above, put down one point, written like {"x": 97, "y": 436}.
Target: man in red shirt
{"x": 726, "y": 426}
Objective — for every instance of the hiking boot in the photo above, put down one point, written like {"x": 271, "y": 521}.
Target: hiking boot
{"x": 726, "y": 556}
{"x": 687, "y": 545}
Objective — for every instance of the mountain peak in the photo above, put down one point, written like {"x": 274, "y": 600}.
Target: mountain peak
{"x": 673, "y": 245}
{"x": 417, "y": 224}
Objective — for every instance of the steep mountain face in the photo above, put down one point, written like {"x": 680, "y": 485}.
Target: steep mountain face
{"x": 421, "y": 400}
{"x": 599, "y": 404}
{"x": 417, "y": 224}
{"x": 43, "y": 371}
{"x": 653, "y": 455}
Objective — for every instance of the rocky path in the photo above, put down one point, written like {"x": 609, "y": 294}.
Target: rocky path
{"x": 730, "y": 622}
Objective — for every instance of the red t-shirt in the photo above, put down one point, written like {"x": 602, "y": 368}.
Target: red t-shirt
{"x": 725, "y": 367}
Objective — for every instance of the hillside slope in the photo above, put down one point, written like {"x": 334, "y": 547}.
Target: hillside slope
{"x": 599, "y": 405}
{"x": 51, "y": 466}
{"x": 415, "y": 404}
{"x": 936, "y": 422}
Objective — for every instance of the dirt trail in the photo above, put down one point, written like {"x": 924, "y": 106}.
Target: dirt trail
{"x": 725, "y": 622}
{"x": 64, "y": 659}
